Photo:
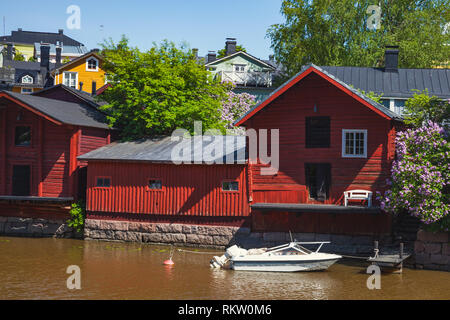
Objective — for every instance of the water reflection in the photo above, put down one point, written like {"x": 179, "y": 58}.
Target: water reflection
{"x": 36, "y": 269}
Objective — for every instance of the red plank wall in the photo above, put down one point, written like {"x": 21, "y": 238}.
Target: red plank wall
{"x": 193, "y": 190}
{"x": 288, "y": 114}
{"x": 49, "y": 154}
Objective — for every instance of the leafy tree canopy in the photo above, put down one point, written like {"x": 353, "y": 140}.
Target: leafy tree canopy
{"x": 422, "y": 108}
{"x": 222, "y": 52}
{"x": 327, "y": 32}
{"x": 158, "y": 91}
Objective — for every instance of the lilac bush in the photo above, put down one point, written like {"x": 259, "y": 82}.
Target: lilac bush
{"x": 235, "y": 106}
{"x": 421, "y": 175}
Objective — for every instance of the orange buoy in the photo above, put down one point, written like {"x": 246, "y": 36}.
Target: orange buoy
{"x": 169, "y": 262}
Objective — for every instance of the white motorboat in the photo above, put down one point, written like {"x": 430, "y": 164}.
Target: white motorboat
{"x": 291, "y": 257}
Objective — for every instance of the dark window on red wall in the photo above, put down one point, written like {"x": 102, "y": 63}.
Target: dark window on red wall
{"x": 103, "y": 182}
{"x": 154, "y": 184}
{"x": 230, "y": 186}
{"x": 317, "y": 132}
{"x": 21, "y": 181}
{"x": 318, "y": 180}
{"x": 22, "y": 136}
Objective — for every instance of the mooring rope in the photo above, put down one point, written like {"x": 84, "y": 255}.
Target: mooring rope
{"x": 182, "y": 250}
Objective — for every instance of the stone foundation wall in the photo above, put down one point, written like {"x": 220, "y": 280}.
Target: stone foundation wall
{"x": 32, "y": 227}
{"x": 218, "y": 237}
{"x": 432, "y": 251}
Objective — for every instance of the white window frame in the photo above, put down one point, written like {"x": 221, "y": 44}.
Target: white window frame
{"x": 76, "y": 78}
{"x": 27, "y": 77}
{"x": 23, "y": 92}
{"x": 344, "y": 154}
{"x": 87, "y": 64}
{"x": 240, "y": 66}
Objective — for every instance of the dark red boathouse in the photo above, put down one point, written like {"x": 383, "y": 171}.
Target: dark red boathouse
{"x": 40, "y": 140}
{"x": 332, "y": 139}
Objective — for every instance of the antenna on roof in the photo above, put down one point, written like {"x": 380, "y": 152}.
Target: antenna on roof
{"x": 4, "y": 25}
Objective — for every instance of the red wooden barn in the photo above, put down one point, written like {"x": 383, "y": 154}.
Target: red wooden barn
{"x": 40, "y": 139}
{"x": 139, "y": 181}
{"x": 331, "y": 139}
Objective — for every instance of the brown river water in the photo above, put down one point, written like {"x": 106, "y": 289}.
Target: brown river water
{"x": 36, "y": 269}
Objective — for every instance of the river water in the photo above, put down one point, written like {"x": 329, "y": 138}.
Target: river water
{"x": 36, "y": 269}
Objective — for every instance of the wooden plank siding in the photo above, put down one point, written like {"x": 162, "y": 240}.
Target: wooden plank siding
{"x": 49, "y": 154}
{"x": 194, "y": 190}
{"x": 288, "y": 114}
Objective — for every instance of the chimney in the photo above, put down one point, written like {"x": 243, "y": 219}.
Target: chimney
{"x": 9, "y": 51}
{"x": 81, "y": 85}
{"x": 391, "y": 59}
{"x": 58, "y": 56}
{"x": 96, "y": 50}
{"x": 271, "y": 57}
{"x": 60, "y": 31}
{"x": 94, "y": 88}
{"x": 195, "y": 53}
{"x": 45, "y": 62}
{"x": 211, "y": 56}
{"x": 230, "y": 46}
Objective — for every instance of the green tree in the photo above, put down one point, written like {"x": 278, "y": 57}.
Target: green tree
{"x": 158, "y": 91}
{"x": 222, "y": 52}
{"x": 329, "y": 32}
{"x": 422, "y": 108}
{"x": 19, "y": 57}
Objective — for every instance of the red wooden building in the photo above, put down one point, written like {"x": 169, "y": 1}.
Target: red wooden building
{"x": 40, "y": 139}
{"x": 331, "y": 139}
{"x": 139, "y": 180}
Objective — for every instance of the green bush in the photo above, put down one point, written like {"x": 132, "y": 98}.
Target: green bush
{"x": 78, "y": 215}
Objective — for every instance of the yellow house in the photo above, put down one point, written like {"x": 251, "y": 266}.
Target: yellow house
{"x": 84, "y": 73}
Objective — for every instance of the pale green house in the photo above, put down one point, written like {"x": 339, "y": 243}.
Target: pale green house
{"x": 248, "y": 73}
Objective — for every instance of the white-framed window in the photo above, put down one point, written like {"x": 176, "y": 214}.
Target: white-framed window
{"x": 26, "y": 90}
{"x": 239, "y": 67}
{"x": 354, "y": 143}
{"x": 396, "y": 105}
{"x": 92, "y": 64}
{"x": 27, "y": 79}
{"x": 70, "y": 79}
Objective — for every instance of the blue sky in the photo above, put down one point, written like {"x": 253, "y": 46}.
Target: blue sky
{"x": 202, "y": 24}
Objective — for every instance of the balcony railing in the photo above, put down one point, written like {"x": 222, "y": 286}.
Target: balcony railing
{"x": 251, "y": 79}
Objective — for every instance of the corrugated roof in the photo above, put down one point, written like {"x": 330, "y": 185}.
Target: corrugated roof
{"x": 160, "y": 150}
{"x": 66, "y": 50}
{"x": 399, "y": 84}
{"x": 64, "y": 112}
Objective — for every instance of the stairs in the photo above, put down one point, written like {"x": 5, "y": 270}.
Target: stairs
{"x": 405, "y": 228}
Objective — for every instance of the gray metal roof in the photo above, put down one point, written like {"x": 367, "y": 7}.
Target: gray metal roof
{"x": 377, "y": 105}
{"x": 31, "y": 37}
{"x": 160, "y": 150}
{"x": 66, "y": 50}
{"x": 399, "y": 84}
{"x": 85, "y": 96}
{"x": 65, "y": 112}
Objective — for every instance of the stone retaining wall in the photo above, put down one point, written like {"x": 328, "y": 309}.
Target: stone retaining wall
{"x": 32, "y": 227}
{"x": 218, "y": 237}
{"x": 432, "y": 251}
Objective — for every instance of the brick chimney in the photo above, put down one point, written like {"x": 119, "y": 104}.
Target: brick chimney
{"x": 195, "y": 53}
{"x": 9, "y": 51}
{"x": 58, "y": 56}
{"x": 211, "y": 56}
{"x": 45, "y": 62}
{"x": 230, "y": 46}
{"x": 391, "y": 59}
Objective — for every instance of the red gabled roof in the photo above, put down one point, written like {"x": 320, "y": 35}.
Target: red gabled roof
{"x": 374, "y": 106}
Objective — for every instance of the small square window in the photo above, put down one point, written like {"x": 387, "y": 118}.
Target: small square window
{"x": 103, "y": 182}
{"x": 22, "y": 136}
{"x": 154, "y": 184}
{"x": 230, "y": 186}
{"x": 354, "y": 143}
